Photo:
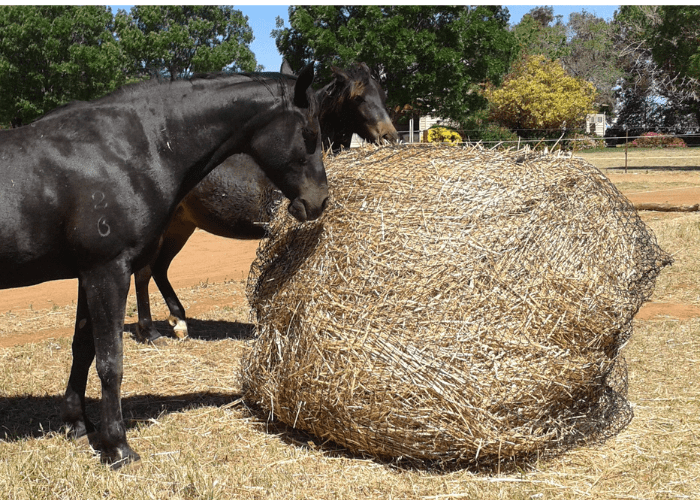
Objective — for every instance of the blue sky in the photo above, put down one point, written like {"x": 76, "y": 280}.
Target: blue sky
{"x": 261, "y": 18}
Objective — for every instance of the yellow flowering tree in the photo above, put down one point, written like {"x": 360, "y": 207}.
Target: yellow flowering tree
{"x": 442, "y": 134}
{"x": 539, "y": 94}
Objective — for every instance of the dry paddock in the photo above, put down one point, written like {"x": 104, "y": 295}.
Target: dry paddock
{"x": 197, "y": 438}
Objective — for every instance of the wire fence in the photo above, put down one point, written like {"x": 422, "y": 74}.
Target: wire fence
{"x": 628, "y": 152}
{"x": 579, "y": 143}
{"x": 567, "y": 139}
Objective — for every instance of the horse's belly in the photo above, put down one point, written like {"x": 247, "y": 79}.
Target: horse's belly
{"x": 15, "y": 274}
{"x": 32, "y": 247}
{"x": 229, "y": 201}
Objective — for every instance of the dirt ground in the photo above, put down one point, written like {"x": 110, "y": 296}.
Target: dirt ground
{"x": 661, "y": 176}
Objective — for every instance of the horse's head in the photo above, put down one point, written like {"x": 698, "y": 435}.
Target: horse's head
{"x": 364, "y": 101}
{"x": 288, "y": 148}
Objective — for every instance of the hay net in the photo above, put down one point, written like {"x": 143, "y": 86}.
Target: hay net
{"x": 452, "y": 304}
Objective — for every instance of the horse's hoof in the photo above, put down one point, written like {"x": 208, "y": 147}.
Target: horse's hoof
{"x": 119, "y": 457}
{"x": 179, "y": 327}
{"x": 81, "y": 429}
{"x": 87, "y": 440}
{"x": 147, "y": 335}
{"x": 159, "y": 341}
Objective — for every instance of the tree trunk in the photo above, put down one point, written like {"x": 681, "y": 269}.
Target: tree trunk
{"x": 665, "y": 207}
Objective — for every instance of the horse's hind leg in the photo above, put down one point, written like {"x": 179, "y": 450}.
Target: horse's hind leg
{"x": 145, "y": 329}
{"x": 73, "y": 406}
{"x": 106, "y": 289}
{"x": 174, "y": 240}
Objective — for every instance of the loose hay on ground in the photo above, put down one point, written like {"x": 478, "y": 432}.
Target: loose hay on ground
{"x": 452, "y": 304}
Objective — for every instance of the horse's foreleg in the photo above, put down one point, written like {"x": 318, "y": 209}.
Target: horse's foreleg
{"x": 145, "y": 329}
{"x": 173, "y": 241}
{"x": 73, "y": 406}
{"x": 106, "y": 289}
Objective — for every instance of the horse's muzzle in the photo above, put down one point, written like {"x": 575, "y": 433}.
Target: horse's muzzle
{"x": 304, "y": 210}
{"x": 384, "y": 131}
{"x": 391, "y": 136}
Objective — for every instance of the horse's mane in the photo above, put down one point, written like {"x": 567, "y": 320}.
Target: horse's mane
{"x": 253, "y": 75}
{"x": 135, "y": 87}
{"x": 347, "y": 84}
{"x": 58, "y": 109}
{"x": 220, "y": 76}
{"x": 263, "y": 78}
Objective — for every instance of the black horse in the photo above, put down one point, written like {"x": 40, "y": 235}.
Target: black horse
{"x": 228, "y": 202}
{"x": 87, "y": 191}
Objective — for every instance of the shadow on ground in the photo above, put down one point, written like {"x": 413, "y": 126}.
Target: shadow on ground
{"x": 205, "y": 329}
{"x": 654, "y": 169}
{"x": 25, "y": 417}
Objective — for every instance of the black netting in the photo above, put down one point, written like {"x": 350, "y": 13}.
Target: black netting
{"x": 453, "y": 304}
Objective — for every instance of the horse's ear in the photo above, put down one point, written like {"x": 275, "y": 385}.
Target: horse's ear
{"x": 286, "y": 69}
{"x": 339, "y": 73}
{"x": 306, "y": 77}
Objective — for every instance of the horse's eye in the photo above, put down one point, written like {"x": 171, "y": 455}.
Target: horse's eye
{"x": 310, "y": 139}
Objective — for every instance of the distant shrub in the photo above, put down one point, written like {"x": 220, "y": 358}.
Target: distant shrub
{"x": 581, "y": 142}
{"x": 492, "y": 133}
{"x": 654, "y": 140}
{"x": 443, "y": 134}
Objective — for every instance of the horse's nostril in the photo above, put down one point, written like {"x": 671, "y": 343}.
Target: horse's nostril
{"x": 324, "y": 204}
{"x": 391, "y": 136}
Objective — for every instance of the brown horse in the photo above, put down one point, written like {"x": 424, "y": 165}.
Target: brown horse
{"x": 87, "y": 191}
{"x": 228, "y": 201}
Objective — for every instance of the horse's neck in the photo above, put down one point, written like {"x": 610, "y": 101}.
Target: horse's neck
{"x": 207, "y": 128}
{"x": 336, "y": 130}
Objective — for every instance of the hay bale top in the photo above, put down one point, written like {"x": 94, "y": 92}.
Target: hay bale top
{"x": 459, "y": 304}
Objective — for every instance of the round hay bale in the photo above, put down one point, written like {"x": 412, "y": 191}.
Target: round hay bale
{"x": 452, "y": 304}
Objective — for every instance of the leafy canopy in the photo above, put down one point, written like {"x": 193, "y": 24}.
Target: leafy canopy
{"x": 592, "y": 56}
{"x": 660, "y": 48}
{"x": 53, "y": 54}
{"x": 584, "y": 45}
{"x": 539, "y": 94}
{"x": 535, "y": 34}
{"x": 178, "y": 40}
{"x": 427, "y": 57}
{"x": 675, "y": 41}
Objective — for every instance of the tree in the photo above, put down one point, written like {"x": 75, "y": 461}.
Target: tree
{"x": 430, "y": 58}
{"x": 584, "y": 45}
{"x": 592, "y": 56}
{"x": 675, "y": 41}
{"x": 176, "y": 41}
{"x": 640, "y": 111}
{"x": 538, "y": 94}
{"x": 536, "y": 34}
{"x": 52, "y": 54}
{"x": 660, "y": 49}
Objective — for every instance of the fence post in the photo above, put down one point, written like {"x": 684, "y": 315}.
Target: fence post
{"x": 627, "y": 133}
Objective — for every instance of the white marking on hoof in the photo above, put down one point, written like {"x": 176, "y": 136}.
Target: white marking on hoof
{"x": 159, "y": 342}
{"x": 179, "y": 327}
{"x": 86, "y": 441}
